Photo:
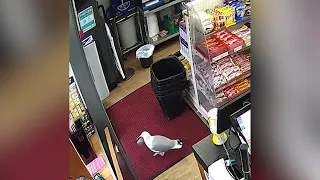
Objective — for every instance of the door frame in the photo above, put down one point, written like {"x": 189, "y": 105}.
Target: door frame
{"x": 90, "y": 95}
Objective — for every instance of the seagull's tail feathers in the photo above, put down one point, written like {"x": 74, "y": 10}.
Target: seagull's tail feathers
{"x": 178, "y": 145}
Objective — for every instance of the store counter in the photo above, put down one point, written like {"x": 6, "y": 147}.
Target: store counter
{"x": 207, "y": 153}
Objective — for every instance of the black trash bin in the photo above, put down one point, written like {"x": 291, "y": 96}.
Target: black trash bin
{"x": 159, "y": 91}
{"x": 145, "y": 55}
{"x": 167, "y": 71}
{"x": 172, "y": 104}
{"x": 146, "y": 62}
{"x": 168, "y": 80}
{"x": 169, "y": 85}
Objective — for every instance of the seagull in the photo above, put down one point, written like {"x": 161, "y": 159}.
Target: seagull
{"x": 158, "y": 144}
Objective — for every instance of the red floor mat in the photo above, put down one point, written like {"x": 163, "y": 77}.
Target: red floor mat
{"x": 141, "y": 111}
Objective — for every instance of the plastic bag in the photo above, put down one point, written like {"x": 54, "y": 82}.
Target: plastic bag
{"x": 145, "y": 51}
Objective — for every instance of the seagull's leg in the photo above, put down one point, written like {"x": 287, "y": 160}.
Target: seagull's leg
{"x": 162, "y": 153}
{"x": 156, "y": 154}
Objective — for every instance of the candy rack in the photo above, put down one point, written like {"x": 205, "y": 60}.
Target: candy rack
{"x": 78, "y": 115}
{"x": 219, "y": 54}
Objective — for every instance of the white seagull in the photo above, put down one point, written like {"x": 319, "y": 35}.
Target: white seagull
{"x": 159, "y": 144}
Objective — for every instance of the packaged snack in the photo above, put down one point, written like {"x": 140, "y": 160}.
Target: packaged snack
{"x": 228, "y": 13}
{"x": 242, "y": 60}
{"x": 242, "y": 32}
{"x": 235, "y": 45}
{"x": 247, "y": 7}
{"x": 218, "y": 19}
{"x": 204, "y": 24}
{"x": 247, "y": 39}
{"x": 218, "y": 78}
{"x": 233, "y": 74}
{"x": 239, "y": 9}
{"x": 242, "y": 85}
{"x": 220, "y": 97}
{"x": 222, "y": 62}
{"x": 226, "y": 31}
{"x": 230, "y": 92}
{"x": 228, "y": 69}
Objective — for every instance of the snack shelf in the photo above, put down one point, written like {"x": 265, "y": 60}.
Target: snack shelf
{"x": 226, "y": 100}
{"x": 232, "y": 81}
{"x": 228, "y": 84}
{"x": 220, "y": 57}
{"x": 223, "y": 55}
{"x": 191, "y": 94}
{"x": 77, "y": 111}
{"x": 164, "y": 38}
{"x": 238, "y": 96}
{"x": 197, "y": 72}
{"x": 244, "y": 21}
{"x": 213, "y": 38}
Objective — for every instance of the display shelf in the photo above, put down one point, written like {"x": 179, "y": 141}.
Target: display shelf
{"x": 233, "y": 97}
{"x": 192, "y": 95}
{"x": 223, "y": 55}
{"x": 216, "y": 45}
{"x": 165, "y": 38}
{"x": 163, "y": 7}
{"x": 199, "y": 74}
{"x": 232, "y": 81}
{"x": 77, "y": 111}
{"x": 203, "y": 112}
{"x": 138, "y": 44}
{"x": 195, "y": 108}
{"x": 240, "y": 23}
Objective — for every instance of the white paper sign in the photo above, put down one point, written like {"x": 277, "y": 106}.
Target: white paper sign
{"x": 86, "y": 19}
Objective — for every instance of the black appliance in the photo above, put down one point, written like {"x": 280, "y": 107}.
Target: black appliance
{"x": 102, "y": 41}
{"x": 229, "y": 108}
{"x": 83, "y": 146}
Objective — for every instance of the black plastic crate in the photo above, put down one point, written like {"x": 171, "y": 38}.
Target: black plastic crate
{"x": 168, "y": 70}
{"x": 168, "y": 86}
{"x": 172, "y": 105}
{"x": 168, "y": 92}
{"x": 169, "y": 82}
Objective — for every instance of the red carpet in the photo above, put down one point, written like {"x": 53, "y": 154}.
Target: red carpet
{"x": 141, "y": 111}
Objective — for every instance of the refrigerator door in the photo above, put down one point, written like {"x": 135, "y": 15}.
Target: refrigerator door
{"x": 95, "y": 67}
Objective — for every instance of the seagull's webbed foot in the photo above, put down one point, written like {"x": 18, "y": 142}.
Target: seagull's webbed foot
{"x": 159, "y": 153}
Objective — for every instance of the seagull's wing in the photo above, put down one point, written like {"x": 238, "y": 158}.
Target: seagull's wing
{"x": 162, "y": 144}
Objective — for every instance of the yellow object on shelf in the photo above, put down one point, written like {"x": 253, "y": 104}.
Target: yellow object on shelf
{"x": 187, "y": 66}
{"x": 229, "y": 14}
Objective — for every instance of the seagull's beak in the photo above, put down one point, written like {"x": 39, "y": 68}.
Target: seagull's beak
{"x": 139, "y": 140}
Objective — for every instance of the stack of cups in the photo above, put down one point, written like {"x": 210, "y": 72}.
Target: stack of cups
{"x": 152, "y": 23}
